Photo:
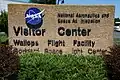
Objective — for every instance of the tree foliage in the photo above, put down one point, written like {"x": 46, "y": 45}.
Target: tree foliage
{"x": 4, "y": 22}
{"x": 117, "y": 19}
{"x": 44, "y": 1}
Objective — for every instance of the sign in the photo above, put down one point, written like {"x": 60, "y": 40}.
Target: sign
{"x": 61, "y": 29}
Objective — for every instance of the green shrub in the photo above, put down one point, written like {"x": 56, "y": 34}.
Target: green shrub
{"x": 9, "y": 62}
{"x": 36, "y": 66}
{"x": 3, "y": 38}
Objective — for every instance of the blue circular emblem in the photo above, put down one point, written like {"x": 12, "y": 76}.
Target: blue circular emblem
{"x": 34, "y": 18}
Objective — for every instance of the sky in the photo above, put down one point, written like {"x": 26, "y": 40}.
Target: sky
{"x": 116, "y": 3}
{"x": 83, "y": 2}
{"x": 86, "y": 2}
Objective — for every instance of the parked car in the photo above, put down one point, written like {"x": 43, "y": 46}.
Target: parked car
{"x": 117, "y": 26}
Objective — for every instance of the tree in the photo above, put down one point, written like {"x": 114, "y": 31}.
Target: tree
{"x": 4, "y": 22}
{"x": 43, "y": 1}
{"x": 117, "y": 19}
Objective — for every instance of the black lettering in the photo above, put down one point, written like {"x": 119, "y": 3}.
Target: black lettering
{"x": 16, "y": 31}
{"x": 32, "y": 43}
{"x": 65, "y": 15}
{"x": 56, "y": 43}
{"x": 25, "y": 31}
{"x": 21, "y": 43}
{"x": 74, "y": 21}
{"x": 61, "y": 31}
{"x": 83, "y": 32}
{"x": 90, "y": 51}
{"x": 30, "y": 32}
{"x": 74, "y": 42}
{"x": 43, "y": 32}
{"x": 37, "y": 43}
{"x": 33, "y": 32}
{"x": 46, "y": 50}
{"x": 54, "y": 51}
{"x": 105, "y": 15}
{"x": 74, "y": 32}
{"x": 82, "y": 43}
{"x": 88, "y": 32}
{"x": 16, "y": 42}
{"x": 38, "y": 32}
{"x": 49, "y": 42}
{"x": 79, "y": 31}
{"x": 28, "y": 43}
{"x": 68, "y": 32}
{"x": 25, "y": 43}
{"x": 21, "y": 31}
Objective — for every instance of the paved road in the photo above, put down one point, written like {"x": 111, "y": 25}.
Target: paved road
{"x": 116, "y": 34}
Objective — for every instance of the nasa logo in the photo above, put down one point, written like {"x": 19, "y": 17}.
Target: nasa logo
{"x": 34, "y": 18}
